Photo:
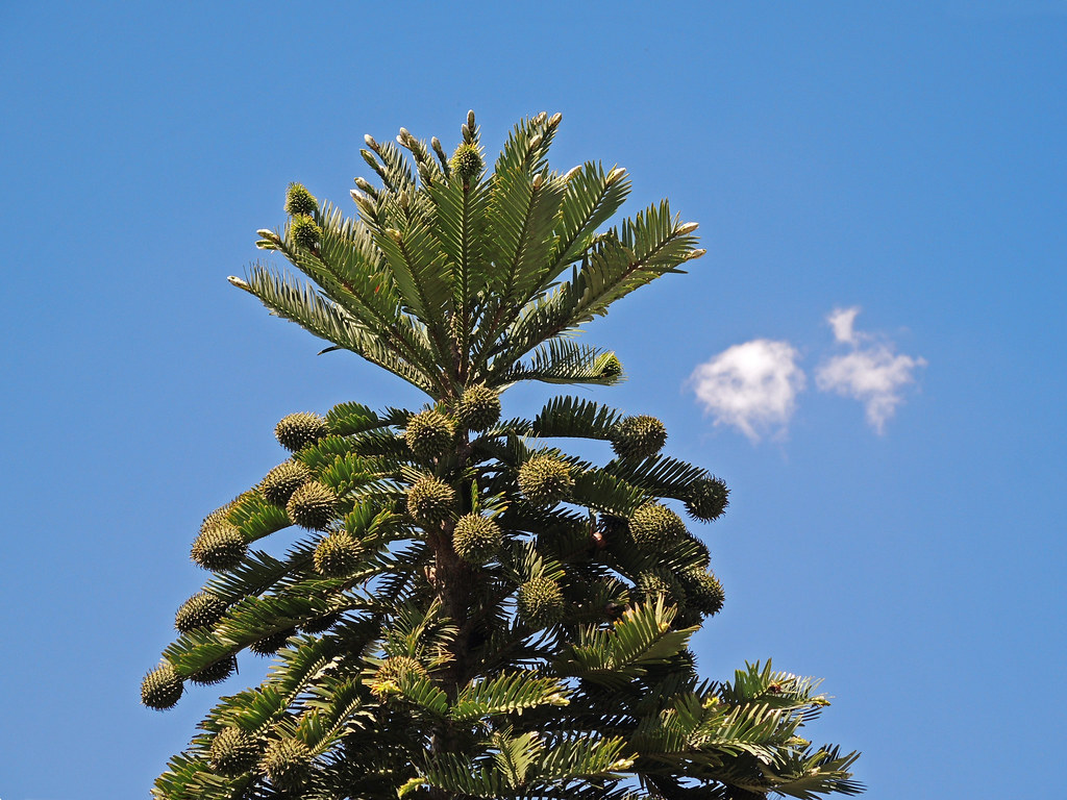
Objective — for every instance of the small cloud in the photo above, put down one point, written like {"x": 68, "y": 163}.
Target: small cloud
{"x": 841, "y": 320}
{"x": 752, "y": 386}
{"x": 872, "y": 373}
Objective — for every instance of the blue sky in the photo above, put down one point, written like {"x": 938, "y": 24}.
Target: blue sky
{"x": 905, "y": 159}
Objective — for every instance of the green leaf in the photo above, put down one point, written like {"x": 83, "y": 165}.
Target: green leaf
{"x": 507, "y": 693}
{"x": 643, "y": 637}
{"x": 575, "y": 417}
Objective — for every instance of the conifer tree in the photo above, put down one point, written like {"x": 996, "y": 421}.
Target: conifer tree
{"x": 473, "y": 612}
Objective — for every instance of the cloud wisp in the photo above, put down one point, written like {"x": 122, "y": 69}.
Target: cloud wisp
{"x": 751, "y": 386}
{"x": 871, "y": 372}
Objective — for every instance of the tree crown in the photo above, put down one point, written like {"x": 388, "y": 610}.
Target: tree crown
{"x": 472, "y": 611}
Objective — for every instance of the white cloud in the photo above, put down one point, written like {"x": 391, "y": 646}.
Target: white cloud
{"x": 752, "y": 386}
{"x": 872, "y": 372}
{"x": 841, "y": 320}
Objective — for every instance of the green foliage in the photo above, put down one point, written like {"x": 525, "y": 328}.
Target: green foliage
{"x": 470, "y": 612}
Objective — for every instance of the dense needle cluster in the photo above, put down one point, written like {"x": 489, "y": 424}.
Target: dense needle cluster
{"x": 461, "y": 608}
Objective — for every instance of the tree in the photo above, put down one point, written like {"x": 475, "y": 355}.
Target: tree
{"x": 473, "y": 612}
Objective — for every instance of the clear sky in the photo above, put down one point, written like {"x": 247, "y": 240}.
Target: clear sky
{"x": 872, "y": 354}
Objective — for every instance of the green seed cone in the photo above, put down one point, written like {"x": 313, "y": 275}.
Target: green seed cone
{"x": 394, "y": 668}
{"x": 304, "y": 232}
{"x": 612, "y": 368}
{"x": 703, "y": 591}
{"x": 545, "y": 480}
{"x": 477, "y": 539}
{"x": 297, "y": 431}
{"x": 388, "y": 676}
{"x": 429, "y": 434}
{"x": 215, "y": 673}
{"x": 657, "y": 583}
{"x": 431, "y": 500}
{"x": 638, "y": 437}
{"x": 288, "y": 764}
{"x": 338, "y": 555}
{"x": 653, "y": 525}
{"x": 220, "y": 546}
{"x": 219, "y": 514}
{"x": 312, "y": 506}
{"x": 540, "y": 602}
{"x": 202, "y": 610}
{"x": 466, "y": 162}
{"x": 479, "y": 408}
{"x": 162, "y": 688}
{"x": 708, "y": 498}
{"x": 269, "y": 645}
{"x": 233, "y": 752}
{"x": 299, "y": 201}
{"x": 280, "y": 483}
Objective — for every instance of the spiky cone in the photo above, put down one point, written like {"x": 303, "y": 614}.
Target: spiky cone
{"x": 296, "y": 431}
{"x": 219, "y": 514}
{"x": 288, "y": 764}
{"x": 220, "y": 546}
{"x": 479, "y": 408}
{"x": 299, "y": 201}
{"x": 337, "y": 555}
{"x": 429, "y": 434}
{"x": 540, "y": 602}
{"x": 233, "y": 752}
{"x": 312, "y": 506}
{"x": 611, "y": 368}
{"x": 708, "y": 499}
{"x": 638, "y": 437}
{"x": 162, "y": 688}
{"x": 544, "y": 480}
{"x": 387, "y": 677}
{"x": 280, "y": 483}
{"x": 431, "y": 500}
{"x": 659, "y": 582}
{"x": 269, "y": 645}
{"x": 477, "y": 539}
{"x": 304, "y": 232}
{"x": 654, "y": 526}
{"x": 202, "y": 610}
{"x": 703, "y": 591}
{"x": 466, "y": 162}
{"x": 215, "y": 673}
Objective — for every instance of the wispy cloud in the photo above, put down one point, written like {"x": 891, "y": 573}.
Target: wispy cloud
{"x": 751, "y": 386}
{"x": 871, "y": 372}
